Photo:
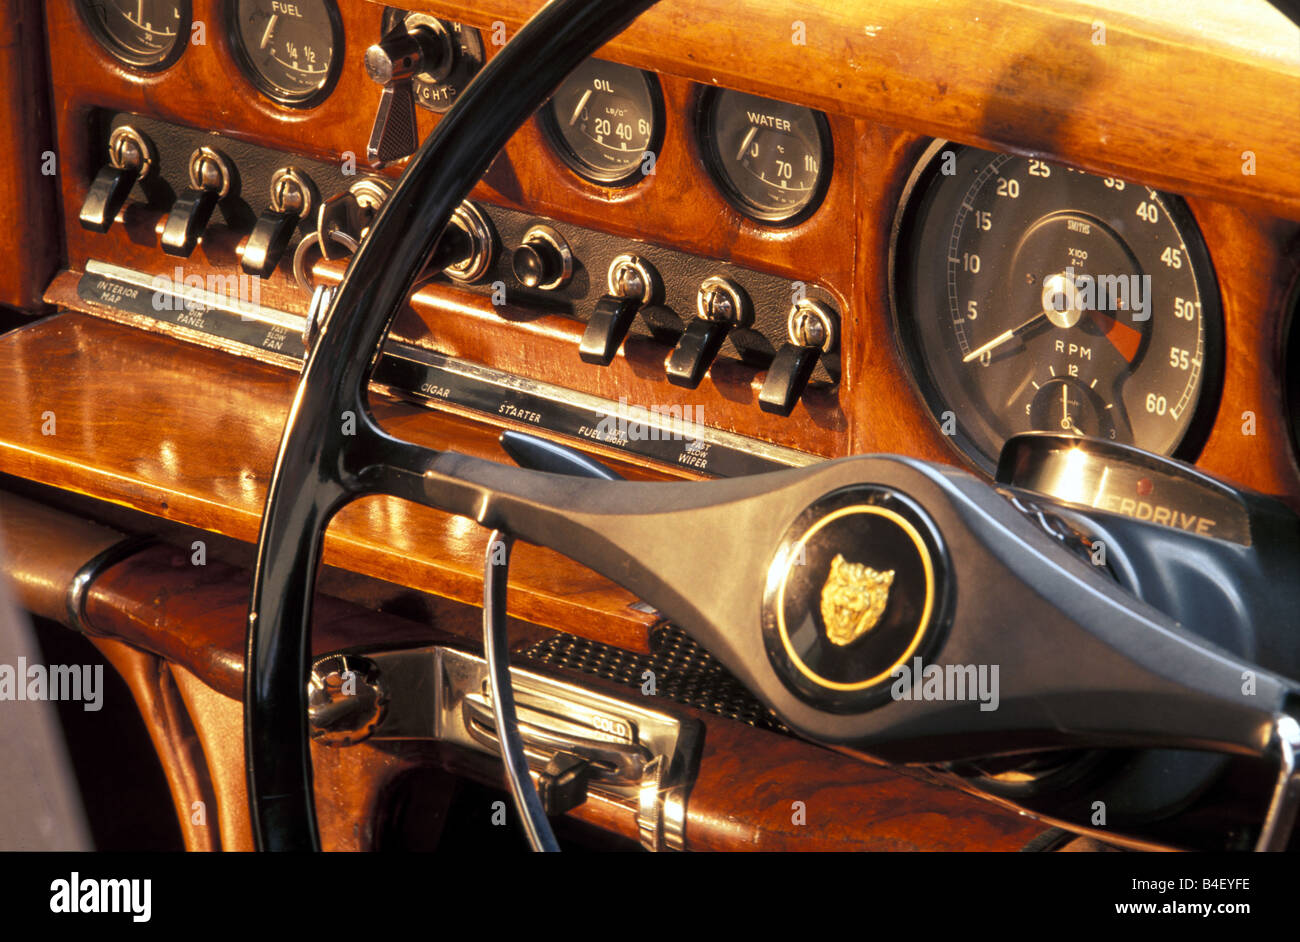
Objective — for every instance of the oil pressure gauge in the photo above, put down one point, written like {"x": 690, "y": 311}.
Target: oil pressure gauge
{"x": 289, "y": 49}
{"x": 606, "y": 122}
{"x": 771, "y": 160}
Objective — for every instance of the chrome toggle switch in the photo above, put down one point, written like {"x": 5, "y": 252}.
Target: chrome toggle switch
{"x": 130, "y": 159}
{"x": 720, "y": 305}
{"x": 211, "y": 180}
{"x": 632, "y": 282}
{"x": 814, "y": 329}
{"x": 293, "y": 195}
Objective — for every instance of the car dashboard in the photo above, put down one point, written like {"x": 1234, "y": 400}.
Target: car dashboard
{"x": 738, "y": 240}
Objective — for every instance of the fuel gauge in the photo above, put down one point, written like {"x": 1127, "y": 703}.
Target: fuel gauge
{"x": 289, "y": 49}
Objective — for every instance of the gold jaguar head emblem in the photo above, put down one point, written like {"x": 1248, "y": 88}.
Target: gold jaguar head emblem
{"x": 853, "y": 599}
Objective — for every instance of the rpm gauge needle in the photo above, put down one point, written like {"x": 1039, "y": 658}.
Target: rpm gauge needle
{"x": 1003, "y": 337}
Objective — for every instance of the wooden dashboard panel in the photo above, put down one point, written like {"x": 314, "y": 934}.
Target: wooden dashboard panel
{"x": 978, "y": 73}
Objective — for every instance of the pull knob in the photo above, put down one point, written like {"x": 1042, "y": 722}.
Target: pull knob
{"x": 292, "y": 197}
{"x": 543, "y": 260}
{"x": 720, "y": 305}
{"x": 130, "y": 159}
{"x": 394, "y": 62}
{"x": 632, "y": 282}
{"x": 813, "y": 329}
{"x": 211, "y": 180}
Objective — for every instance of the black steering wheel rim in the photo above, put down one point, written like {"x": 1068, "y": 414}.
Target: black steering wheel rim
{"x": 318, "y": 470}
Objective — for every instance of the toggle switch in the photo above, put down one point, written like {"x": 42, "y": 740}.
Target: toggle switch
{"x": 632, "y": 282}
{"x": 720, "y": 305}
{"x": 814, "y": 329}
{"x": 211, "y": 180}
{"x": 422, "y": 48}
{"x": 543, "y": 260}
{"x": 292, "y": 197}
{"x": 130, "y": 159}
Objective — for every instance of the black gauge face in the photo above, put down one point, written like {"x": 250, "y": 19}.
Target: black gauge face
{"x": 771, "y": 159}
{"x": 147, "y": 34}
{"x": 606, "y": 122}
{"x": 290, "y": 49}
{"x": 1033, "y": 297}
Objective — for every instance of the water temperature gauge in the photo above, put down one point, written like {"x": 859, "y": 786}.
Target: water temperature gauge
{"x": 772, "y": 160}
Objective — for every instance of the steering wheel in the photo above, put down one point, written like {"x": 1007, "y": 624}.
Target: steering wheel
{"x": 746, "y": 566}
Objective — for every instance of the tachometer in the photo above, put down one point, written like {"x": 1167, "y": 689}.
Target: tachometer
{"x": 772, "y": 160}
{"x": 1032, "y": 296}
{"x": 289, "y": 50}
{"x": 146, "y": 34}
{"x": 606, "y": 122}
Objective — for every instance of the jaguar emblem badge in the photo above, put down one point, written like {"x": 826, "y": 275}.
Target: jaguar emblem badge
{"x": 853, "y": 599}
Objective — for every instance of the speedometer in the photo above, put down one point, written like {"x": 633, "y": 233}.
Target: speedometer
{"x": 1030, "y": 296}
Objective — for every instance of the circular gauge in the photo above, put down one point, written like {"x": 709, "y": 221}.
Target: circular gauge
{"x": 772, "y": 160}
{"x": 146, "y": 34}
{"x": 604, "y": 120}
{"x": 1033, "y": 297}
{"x": 290, "y": 51}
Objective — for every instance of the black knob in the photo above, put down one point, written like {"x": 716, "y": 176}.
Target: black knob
{"x": 543, "y": 260}
{"x": 536, "y": 264}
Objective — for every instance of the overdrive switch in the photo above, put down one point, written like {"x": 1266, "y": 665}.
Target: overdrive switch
{"x": 543, "y": 261}
{"x": 720, "y": 305}
{"x": 813, "y": 330}
{"x": 130, "y": 159}
{"x": 292, "y": 197}
{"x": 632, "y": 282}
{"x": 211, "y": 180}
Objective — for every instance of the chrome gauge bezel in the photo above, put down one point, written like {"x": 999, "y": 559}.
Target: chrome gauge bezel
{"x": 267, "y": 88}
{"x": 706, "y": 140}
{"x": 909, "y": 348}
{"x": 111, "y": 45}
{"x": 561, "y": 148}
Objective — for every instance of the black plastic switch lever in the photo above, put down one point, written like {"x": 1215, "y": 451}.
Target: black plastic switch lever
{"x": 187, "y": 221}
{"x": 562, "y": 785}
{"x": 787, "y": 378}
{"x": 269, "y": 239}
{"x": 107, "y": 196}
{"x": 607, "y": 329}
{"x": 696, "y": 351}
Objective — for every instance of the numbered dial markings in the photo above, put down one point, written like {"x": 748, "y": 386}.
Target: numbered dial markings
{"x": 1034, "y": 297}
{"x": 289, "y": 49}
{"x": 146, "y": 34}
{"x": 606, "y": 122}
{"x": 771, "y": 159}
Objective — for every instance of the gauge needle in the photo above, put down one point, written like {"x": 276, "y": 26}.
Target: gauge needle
{"x": 270, "y": 28}
{"x": 582, "y": 103}
{"x": 744, "y": 145}
{"x": 1003, "y": 337}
